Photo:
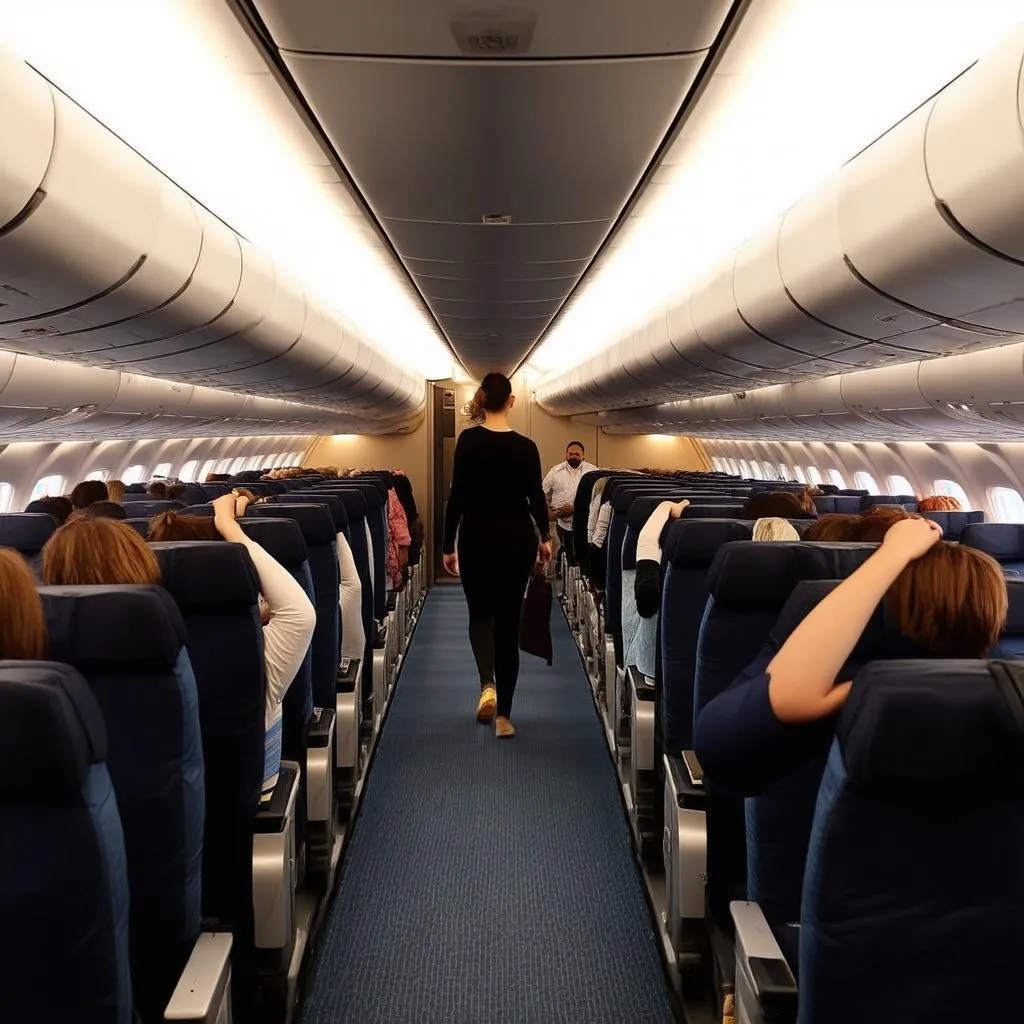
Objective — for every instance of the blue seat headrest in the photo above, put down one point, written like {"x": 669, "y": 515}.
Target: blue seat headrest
{"x": 692, "y": 543}
{"x": 749, "y": 574}
{"x": 208, "y": 574}
{"x": 113, "y": 625}
{"x": 942, "y": 726}
{"x": 314, "y": 520}
{"x": 281, "y": 539}
{"x": 26, "y": 532}
{"x": 51, "y": 730}
{"x": 205, "y": 509}
{"x": 140, "y": 526}
{"x": 352, "y": 501}
{"x": 333, "y": 503}
{"x": 719, "y": 511}
{"x": 1003, "y": 541}
{"x": 625, "y": 496}
{"x": 370, "y": 493}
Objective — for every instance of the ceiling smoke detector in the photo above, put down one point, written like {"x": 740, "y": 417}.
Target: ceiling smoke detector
{"x": 494, "y": 34}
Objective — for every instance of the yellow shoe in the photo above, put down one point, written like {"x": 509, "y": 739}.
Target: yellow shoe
{"x": 488, "y": 703}
{"x": 503, "y": 728}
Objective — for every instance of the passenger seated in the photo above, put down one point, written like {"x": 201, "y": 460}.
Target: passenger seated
{"x": 94, "y": 551}
{"x": 779, "y": 714}
{"x": 647, "y": 583}
{"x": 217, "y": 478}
{"x": 22, "y": 622}
{"x": 59, "y": 508}
{"x": 88, "y": 491}
{"x": 399, "y": 539}
{"x": 175, "y": 491}
{"x": 115, "y": 490}
{"x": 774, "y": 528}
{"x": 105, "y": 510}
{"x": 938, "y": 503}
{"x": 784, "y": 504}
{"x": 834, "y": 526}
{"x": 350, "y": 591}
{"x": 287, "y": 614}
{"x": 157, "y": 489}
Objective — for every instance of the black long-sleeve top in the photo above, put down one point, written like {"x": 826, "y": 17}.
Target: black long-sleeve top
{"x": 496, "y": 485}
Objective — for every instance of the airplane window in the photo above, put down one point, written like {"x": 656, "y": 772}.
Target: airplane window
{"x": 951, "y": 489}
{"x": 206, "y": 470}
{"x": 813, "y": 476}
{"x": 785, "y": 472}
{"x": 716, "y": 462}
{"x": 98, "y": 474}
{"x": 745, "y": 467}
{"x": 134, "y": 474}
{"x": 222, "y": 466}
{"x": 49, "y": 485}
{"x": 866, "y": 482}
{"x": 163, "y": 470}
{"x": 800, "y": 475}
{"x": 253, "y": 463}
{"x": 900, "y": 485}
{"x": 238, "y": 465}
{"x": 268, "y": 462}
{"x": 6, "y": 494}
{"x": 733, "y": 468}
{"x": 1008, "y": 504}
{"x": 837, "y": 478}
{"x": 188, "y": 471}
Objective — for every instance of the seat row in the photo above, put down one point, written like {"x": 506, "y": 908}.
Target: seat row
{"x": 722, "y": 596}
{"x": 178, "y": 677}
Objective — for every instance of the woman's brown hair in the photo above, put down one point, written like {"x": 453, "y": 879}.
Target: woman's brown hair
{"x": 767, "y": 504}
{"x": 174, "y": 526}
{"x": 492, "y": 396}
{"x": 938, "y": 503}
{"x": 835, "y": 526}
{"x": 952, "y": 601}
{"x": 88, "y": 491}
{"x": 22, "y": 622}
{"x": 876, "y": 522}
{"x": 88, "y": 552}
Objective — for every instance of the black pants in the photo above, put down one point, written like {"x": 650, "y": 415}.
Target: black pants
{"x": 568, "y": 541}
{"x": 495, "y": 570}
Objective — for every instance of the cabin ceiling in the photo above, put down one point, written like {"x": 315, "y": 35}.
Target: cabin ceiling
{"x": 548, "y": 116}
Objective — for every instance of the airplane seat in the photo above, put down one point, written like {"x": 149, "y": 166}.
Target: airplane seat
{"x": 908, "y": 501}
{"x": 140, "y": 526}
{"x": 724, "y": 510}
{"x": 845, "y": 504}
{"x": 193, "y": 494}
{"x": 309, "y": 726}
{"x": 148, "y": 509}
{"x": 859, "y": 492}
{"x": 128, "y": 642}
{"x": 249, "y": 854}
{"x": 135, "y": 489}
{"x": 27, "y": 533}
{"x": 1003, "y": 541}
{"x": 953, "y": 523}
{"x": 215, "y": 490}
{"x": 63, "y": 882}
{"x": 202, "y": 509}
{"x": 915, "y": 887}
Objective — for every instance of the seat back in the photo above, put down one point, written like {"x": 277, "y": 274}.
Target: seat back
{"x": 140, "y": 526}
{"x": 27, "y": 533}
{"x": 845, "y": 504}
{"x": 914, "y": 877}
{"x": 908, "y": 501}
{"x": 1003, "y": 541}
{"x": 148, "y": 509}
{"x": 63, "y": 883}
{"x": 954, "y": 523}
{"x": 317, "y": 527}
{"x": 216, "y": 589}
{"x": 376, "y": 522}
{"x": 129, "y": 645}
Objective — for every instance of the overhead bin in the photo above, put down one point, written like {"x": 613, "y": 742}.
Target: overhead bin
{"x": 913, "y": 249}
{"x": 106, "y": 262}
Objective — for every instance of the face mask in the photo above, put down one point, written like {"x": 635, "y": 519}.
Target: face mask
{"x": 574, "y": 461}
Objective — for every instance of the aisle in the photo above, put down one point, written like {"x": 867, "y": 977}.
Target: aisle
{"x": 488, "y": 881}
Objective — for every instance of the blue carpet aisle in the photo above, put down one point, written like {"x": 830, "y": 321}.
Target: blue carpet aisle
{"x": 486, "y": 880}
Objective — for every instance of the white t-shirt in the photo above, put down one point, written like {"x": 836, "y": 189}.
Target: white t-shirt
{"x": 560, "y": 487}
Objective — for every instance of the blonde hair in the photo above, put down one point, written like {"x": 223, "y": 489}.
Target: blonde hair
{"x": 774, "y": 528}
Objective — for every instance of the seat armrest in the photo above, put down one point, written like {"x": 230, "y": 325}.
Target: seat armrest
{"x": 319, "y": 767}
{"x": 273, "y": 815}
{"x": 321, "y": 728}
{"x": 204, "y": 988}
{"x": 348, "y": 675}
{"x": 687, "y": 790}
{"x": 640, "y": 684}
{"x": 765, "y": 987}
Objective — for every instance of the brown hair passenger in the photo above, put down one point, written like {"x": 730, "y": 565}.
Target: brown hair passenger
{"x": 90, "y": 551}
{"x": 115, "y": 490}
{"x": 766, "y": 504}
{"x": 952, "y": 600}
{"x": 157, "y": 489}
{"x": 834, "y": 526}
{"x": 175, "y": 491}
{"x": 89, "y": 491}
{"x": 174, "y": 526}
{"x": 106, "y": 510}
{"x": 58, "y": 507}
{"x": 938, "y": 503}
{"x": 22, "y": 622}
{"x": 878, "y": 520}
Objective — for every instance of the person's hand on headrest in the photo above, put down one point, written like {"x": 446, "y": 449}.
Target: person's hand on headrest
{"x": 677, "y": 508}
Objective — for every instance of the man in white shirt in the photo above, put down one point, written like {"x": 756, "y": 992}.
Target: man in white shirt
{"x": 560, "y": 491}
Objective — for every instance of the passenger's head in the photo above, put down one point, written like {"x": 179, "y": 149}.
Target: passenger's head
{"x": 175, "y": 491}
{"x": 174, "y": 526}
{"x": 157, "y": 489}
{"x": 59, "y": 508}
{"x": 878, "y": 520}
{"x": 952, "y": 601}
{"x": 89, "y": 551}
{"x": 939, "y": 503}
{"x": 115, "y": 490}
{"x": 774, "y": 528}
{"x": 106, "y": 510}
{"x": 217, "y": 478}
{"x": 834, "y": 527}
{"x": 806, "y": 498}
{"x": 494, "y": 395}
{"x": 87, "y": 492}
{"x": 783, "y": 504}
{"x": 574, "y": 452}
{"x": 328, "y": 471}
{"x": 22, "y": 623}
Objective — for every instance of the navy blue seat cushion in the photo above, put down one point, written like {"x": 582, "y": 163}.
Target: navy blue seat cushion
{"x": 688, "y": 548}
{"x": 1003, "y": 541}
{"x": 26, "y": 532}
{"x": 335, "y": 505}
{"x": 908, "y": 501}
{"x": 845, "y": 504}
{"x": 216, "y": 588}
{"x": 63, "y": 888}
{"x": 128, "y": 642}
{"x": 140, "y": 526}
{"x": 914, "y": 878}
{"x": 953, "y": 523}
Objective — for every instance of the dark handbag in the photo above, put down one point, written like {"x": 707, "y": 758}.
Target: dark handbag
{"x": 535, "y": 624}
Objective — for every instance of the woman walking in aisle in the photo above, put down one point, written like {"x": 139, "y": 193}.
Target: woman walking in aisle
{"x": 497, "y": 507}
